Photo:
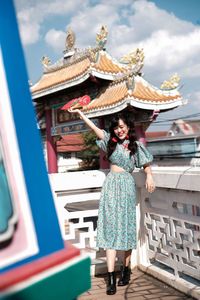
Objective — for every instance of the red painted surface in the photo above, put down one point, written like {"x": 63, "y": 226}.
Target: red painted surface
{"x": 156, "y": 134}
{"x": 70, "y": 143}
{"x": 25, "y": 272}
{"x": 51, "y": 147}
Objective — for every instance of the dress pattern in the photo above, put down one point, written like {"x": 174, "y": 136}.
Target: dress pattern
{"x": 116, "y": 227}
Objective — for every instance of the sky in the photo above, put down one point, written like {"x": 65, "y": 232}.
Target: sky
{"x": 167, "y": 30}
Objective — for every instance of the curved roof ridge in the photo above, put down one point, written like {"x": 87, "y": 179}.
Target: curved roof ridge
{"x": 171, "y": 92}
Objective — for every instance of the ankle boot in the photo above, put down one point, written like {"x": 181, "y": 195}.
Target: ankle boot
{"x": 111, "y": 286}
{"x": 124, "y": 276}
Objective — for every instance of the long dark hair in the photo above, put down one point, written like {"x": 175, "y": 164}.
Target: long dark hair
{"x": 132, "y": 146}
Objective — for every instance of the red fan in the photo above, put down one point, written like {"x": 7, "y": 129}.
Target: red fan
{"x": 77, "y": 103}
{"x": 85, "y": 100}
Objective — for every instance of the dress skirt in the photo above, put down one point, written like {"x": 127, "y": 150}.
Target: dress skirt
{"x": 116, "y": 227}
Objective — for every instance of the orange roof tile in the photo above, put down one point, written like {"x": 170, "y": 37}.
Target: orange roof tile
{"x": 142, "y": 94}
{"x": 117, "y": 93}
{"x": 107, "y": 65}
{"x": 113, "y": 94}
{"x": 145, "y": 91}
{"x": 62, "y": 75}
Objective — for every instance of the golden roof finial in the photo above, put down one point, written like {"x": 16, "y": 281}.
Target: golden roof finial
{"x": 172, "y": 83}
{"x": 133, "y": 58}
{"x": 45, "y": 61}
{"x": 101, "y": 37}
{"x": 70, "y": 39}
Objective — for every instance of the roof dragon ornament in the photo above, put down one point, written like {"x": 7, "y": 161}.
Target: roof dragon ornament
{"x": 172, "y": 83}
{"x": 69, "y": 45}
{"x": 135, "y": 60}
{"x": 101, "y": 37}
{"x": 45, "y": 62}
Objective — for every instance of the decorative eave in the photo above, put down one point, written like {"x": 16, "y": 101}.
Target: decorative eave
{"x": 63, "y": 77}
{"x": 143, "y": 95}
{"x": 77, "y": 65}
{"x": 106, "y": 67}
{"x": 126, "y": 86}
{"x": 59, "y": 87}
{"x": 77, "y": 72}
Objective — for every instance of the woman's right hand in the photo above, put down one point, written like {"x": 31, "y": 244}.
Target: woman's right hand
{"x": 99, "y": 132}
{"x": 75, "y": 110}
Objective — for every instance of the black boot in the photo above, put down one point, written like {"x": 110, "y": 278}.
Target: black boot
{"x": 111, "y": 286}
{"x": 124, "y": 276}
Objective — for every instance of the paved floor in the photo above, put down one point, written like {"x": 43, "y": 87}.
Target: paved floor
{"x": 141, "y": 287}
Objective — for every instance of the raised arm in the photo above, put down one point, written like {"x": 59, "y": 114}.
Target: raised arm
{"x": 99, "y": 132}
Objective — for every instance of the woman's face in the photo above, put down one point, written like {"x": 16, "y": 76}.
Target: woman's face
{"x": 121, "y": 130}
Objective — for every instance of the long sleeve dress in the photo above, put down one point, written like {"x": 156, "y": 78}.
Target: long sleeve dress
{"x": 116, "y": 227}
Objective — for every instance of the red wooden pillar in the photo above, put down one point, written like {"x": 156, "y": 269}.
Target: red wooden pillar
{"x": 140, "y": 133}
{"x": 51, "y": 147}
{"x": 104, "y": 164}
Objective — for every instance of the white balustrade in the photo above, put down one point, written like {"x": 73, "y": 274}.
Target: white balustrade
{"x": 168, "y": 220}
{"x": 169, "y": 227}
{"x": 76, "y": 196}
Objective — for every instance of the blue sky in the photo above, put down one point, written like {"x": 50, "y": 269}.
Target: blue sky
{"x": 167, "y": 30}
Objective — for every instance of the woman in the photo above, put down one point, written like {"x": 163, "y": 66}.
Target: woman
{"x": 116, "y": 229}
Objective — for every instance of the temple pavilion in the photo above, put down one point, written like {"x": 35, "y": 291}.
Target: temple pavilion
{"x": 113, "y": 86}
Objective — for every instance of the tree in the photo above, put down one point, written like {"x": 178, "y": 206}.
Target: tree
{"x": 90, "y": 155}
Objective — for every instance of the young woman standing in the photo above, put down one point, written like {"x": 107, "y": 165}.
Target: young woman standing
{"x": 116, "y": 228}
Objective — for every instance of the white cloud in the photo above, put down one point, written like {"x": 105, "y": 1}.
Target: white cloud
{"x": 195, "y": 100}
{"x": 173, "y": 52}
{"x": 55, "y": 38}
{"x": 32, "y": 14}
{"x": 147, "y": 18}
{"x": 189, "y": 72}
{"x": 86, "y": 23}
{"x": 170, "y": 44}
{"x": 29, "y": 26}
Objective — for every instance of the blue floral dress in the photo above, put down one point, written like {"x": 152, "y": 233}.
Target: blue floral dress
{"x": 116, "y": 227}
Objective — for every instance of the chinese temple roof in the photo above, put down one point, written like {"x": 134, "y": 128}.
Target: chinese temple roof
{"x": 119, "y": 95}
{"x": 82, "y": 68}
{"x": 125, "y": 84}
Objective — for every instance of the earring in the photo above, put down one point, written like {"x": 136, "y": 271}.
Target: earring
{"x": 127, "y": 137}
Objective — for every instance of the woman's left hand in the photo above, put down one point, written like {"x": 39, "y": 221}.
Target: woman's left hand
{"x": 150, "y": 184}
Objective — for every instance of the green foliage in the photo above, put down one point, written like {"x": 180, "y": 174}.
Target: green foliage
{"x": 90, "y": 155}
{"x": 91, "y": 148}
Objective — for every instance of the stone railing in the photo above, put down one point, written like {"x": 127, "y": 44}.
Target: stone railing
{"x": 169, "y": 227}
{"x": 76, "y": 196}
{"x": 168, "y": 221}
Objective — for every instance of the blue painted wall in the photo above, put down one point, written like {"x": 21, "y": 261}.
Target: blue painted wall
{"x": 39, "y": 193}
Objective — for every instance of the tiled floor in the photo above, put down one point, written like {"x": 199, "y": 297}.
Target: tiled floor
{"x": 141, "y": 287}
